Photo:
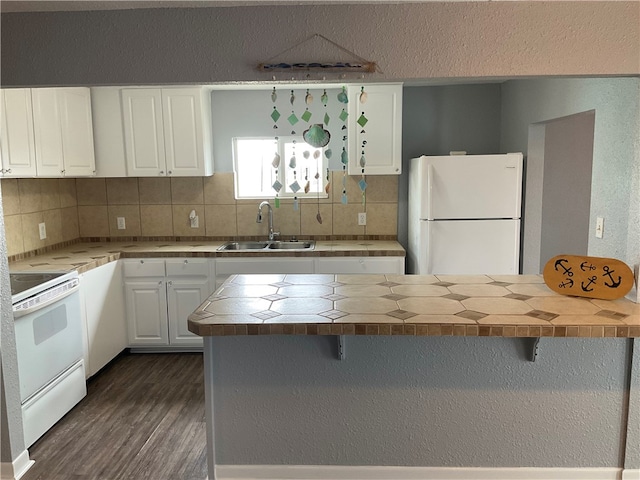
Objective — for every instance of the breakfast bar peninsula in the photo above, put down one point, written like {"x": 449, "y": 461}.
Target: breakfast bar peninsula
{"x": 517, "y": 306}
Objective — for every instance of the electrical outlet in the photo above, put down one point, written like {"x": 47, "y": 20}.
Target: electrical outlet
{"x": 194, "y": 222}
{"x": 121, "y": 223}
{"x": 43, "y": 230}
{"x": 599, "y": 227}
{"x": 362, "y": 219}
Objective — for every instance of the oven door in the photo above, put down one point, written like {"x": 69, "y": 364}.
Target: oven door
{"x": 48, "y": 341}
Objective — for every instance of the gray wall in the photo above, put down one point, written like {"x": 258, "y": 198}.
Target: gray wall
{"x": 408, "y": 41}
{"x": 615, "y": 186}
{"x": 566, "y": 186}
{"x": 420, "y": 402}
{"x": 11, "y": 435}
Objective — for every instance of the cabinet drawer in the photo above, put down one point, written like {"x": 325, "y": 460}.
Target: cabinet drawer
{"x": 188, "y": 267}
{"x": 144, "y": 268}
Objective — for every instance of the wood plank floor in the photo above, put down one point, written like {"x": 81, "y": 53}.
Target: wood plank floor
{"x": 143, "y": 418}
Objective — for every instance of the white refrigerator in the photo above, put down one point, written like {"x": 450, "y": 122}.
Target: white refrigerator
{"x": 464, "y": 214}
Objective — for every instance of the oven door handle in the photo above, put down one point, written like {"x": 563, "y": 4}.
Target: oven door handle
{"x": 22, "y": 312}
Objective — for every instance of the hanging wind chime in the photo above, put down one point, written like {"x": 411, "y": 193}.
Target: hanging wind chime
{"x": 344, "y": 157}
{"x": 275, "y": 163}
{"x": 362, "y": 121}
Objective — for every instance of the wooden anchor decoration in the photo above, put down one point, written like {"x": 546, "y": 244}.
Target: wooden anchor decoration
{"x": 592, "y": 277}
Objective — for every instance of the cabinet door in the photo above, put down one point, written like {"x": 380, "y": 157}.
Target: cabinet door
{"x": 183, "y": 297}
{"x": 361, "y": 265}
{"x": 146, "y": 302}
{"x": 18, "y": 147}
{"x": 47, "y": 130}
{"x": 143, "y": 132}
{"x": 108, "y": 132}
{"x": 104, "y": 309}
{"x": 382, "y": 132}
{"x": 77, "y": 131}
{"x": 183, "y": 131}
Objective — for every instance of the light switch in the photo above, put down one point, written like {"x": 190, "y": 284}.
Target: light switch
{"x": 599, "y": 227}
{"x": 42, "y": 229}
{"x": 121, "y": 223}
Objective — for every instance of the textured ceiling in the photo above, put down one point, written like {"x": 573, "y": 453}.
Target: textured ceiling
{"x": 77, "y": 5}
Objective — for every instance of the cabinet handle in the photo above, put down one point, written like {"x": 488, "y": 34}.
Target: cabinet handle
{"x": 160, "y": 282}
{"x": 169, "y": 172}
{"x": 8, "y": 170}
{"x": 186, "y": 261}
{"x": 62, "y": 172}
{"x": 141, "y": 261}
{"x": 161, "y": 172}
{"x": 169, "y": 283}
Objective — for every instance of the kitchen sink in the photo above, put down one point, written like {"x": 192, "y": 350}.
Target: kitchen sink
{"x": 268, "y": 246}
{"x": 297, "y": 245}
{"x": 244, "y": 246}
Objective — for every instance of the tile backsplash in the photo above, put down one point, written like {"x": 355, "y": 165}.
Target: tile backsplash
{"x": 27, "y": 202}
{"x": 160, "y": 207}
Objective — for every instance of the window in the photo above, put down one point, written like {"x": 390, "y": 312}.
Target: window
{"x": 255, "y": 174}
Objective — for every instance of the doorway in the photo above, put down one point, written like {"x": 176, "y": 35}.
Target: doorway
{"x": 558, "y": 189}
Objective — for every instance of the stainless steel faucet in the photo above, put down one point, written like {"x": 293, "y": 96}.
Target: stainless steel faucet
{"x": 272, "y": 234}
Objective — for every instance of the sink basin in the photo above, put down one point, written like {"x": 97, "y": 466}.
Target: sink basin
{"x": 304, "y": 245}
{"x": 268, "y": 246}
{"x": 244, "y": 246}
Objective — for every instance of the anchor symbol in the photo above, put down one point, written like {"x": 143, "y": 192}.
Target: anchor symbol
{"x": 584, "y": 267}
{"x": 608, "y": 273}
{"x": 567, "y": 271}
{"x": 585, "y": 288}
{"x": 568, "y": 282}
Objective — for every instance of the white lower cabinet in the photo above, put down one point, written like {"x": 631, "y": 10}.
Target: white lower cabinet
{"x": 160, "y": 294}
{"x": 103, "y": 308}
{"x": 360, "y": 265}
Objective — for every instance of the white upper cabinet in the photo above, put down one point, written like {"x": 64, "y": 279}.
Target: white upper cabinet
{"x": 17, "y": 142}
{"x": 77, "y": 131}
{"x": 63, "y": 132}
{"x": 167, "y": 132}
{"x": 47, "y": 132}
{"x": 382, "y": 132}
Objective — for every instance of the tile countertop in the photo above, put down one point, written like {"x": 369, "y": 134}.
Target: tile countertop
{"x": 86, "y": 256}
{"x": 467, "y": 305}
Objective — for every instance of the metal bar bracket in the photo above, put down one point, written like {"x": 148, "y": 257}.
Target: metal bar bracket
{"x": 535, "y": 342}
{"x": 341, "y": 346}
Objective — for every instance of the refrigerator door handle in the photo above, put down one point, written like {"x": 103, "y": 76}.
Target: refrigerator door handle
{"x": 429, "y": 190}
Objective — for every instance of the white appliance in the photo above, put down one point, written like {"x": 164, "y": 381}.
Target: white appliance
{"x": 464, "y": 214}
{"x": 49, "y": 347}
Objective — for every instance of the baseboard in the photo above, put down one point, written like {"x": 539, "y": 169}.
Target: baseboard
{"x": 326, "y": 472}
{"x": 630, "y": 474}
{"x": 15, "y": 470}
